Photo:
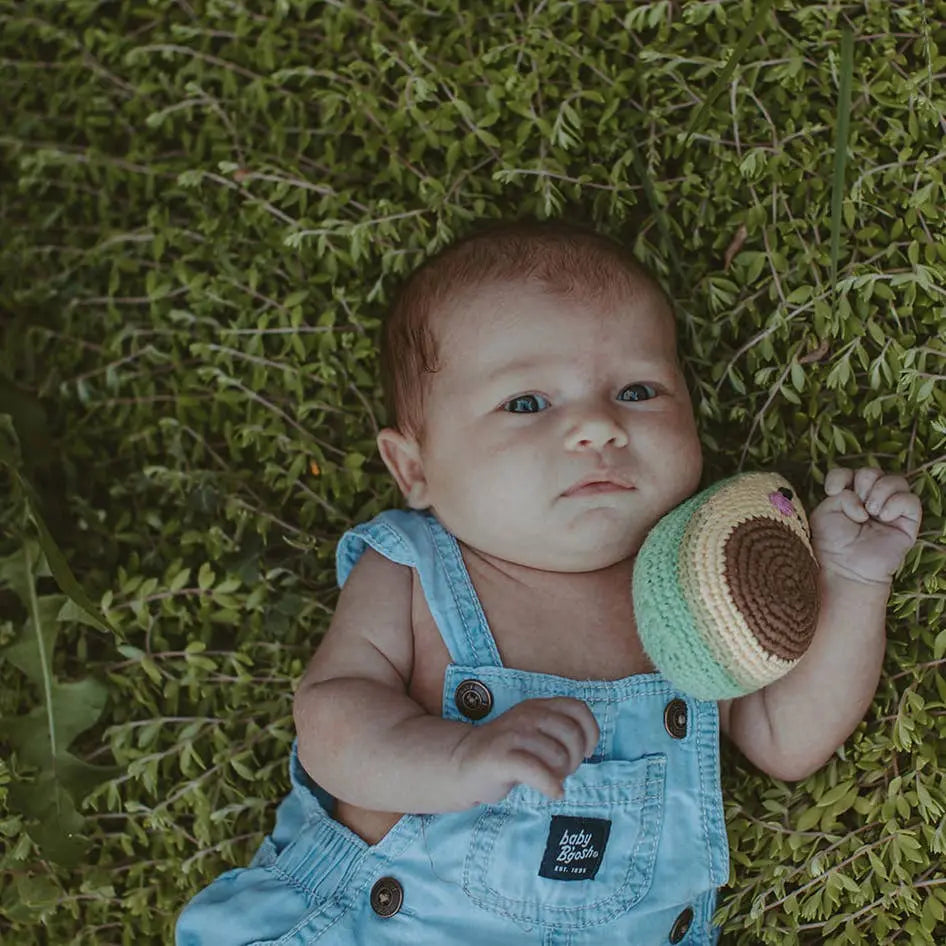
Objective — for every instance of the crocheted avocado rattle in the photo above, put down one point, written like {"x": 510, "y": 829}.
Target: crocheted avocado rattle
{"x": 725, "y": 587}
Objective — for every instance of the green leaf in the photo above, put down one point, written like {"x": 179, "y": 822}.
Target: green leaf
{"x": 132, "y": 653}
{"x": 180, "y": 580}
{"x": 939, "y": 645}
{"x": 31, "y": 651}
{"x": 834, "y": 794}
{"x": 808, "y": 819}
{"x": 55, "y": 825}
{"x": 205, "y": 577}
{"x": 151, "y": 668}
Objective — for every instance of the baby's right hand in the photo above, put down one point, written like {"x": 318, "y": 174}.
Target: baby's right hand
{"x": 537, "y": 743}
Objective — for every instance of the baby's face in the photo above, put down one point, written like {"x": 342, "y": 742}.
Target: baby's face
{"x": 537, "y": 392}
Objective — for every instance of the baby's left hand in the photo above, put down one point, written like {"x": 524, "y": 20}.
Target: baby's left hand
{"x": 866, "y": 525}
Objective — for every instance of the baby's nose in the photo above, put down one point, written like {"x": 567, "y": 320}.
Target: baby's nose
{"x": 594, "y": 430}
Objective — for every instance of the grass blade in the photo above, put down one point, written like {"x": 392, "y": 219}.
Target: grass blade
{"x": 640, "y": 169}
{"x": 840, "y": 152}
{"x": 10, "y": 457}
{"x": 749, "y": 34}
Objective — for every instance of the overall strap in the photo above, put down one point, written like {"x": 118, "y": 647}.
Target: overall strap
{"x": 418, "y": 540}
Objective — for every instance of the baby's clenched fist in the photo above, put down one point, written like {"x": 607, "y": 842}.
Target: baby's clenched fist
{"x": 537, "y": 743}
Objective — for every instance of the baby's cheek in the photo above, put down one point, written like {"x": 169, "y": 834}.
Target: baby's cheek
{"x": 687, "y": 454}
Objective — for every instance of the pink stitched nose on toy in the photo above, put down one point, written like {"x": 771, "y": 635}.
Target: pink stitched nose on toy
{"x": 782, "y": 503}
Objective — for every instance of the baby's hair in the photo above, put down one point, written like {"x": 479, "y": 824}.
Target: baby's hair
{"x": 563, "y": 257}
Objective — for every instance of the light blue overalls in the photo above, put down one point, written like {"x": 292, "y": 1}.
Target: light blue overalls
{"x": 631, "y": 856}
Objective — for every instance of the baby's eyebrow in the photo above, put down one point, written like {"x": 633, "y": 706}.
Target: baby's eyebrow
{"x": 637, "y": 366}
{"x": 516, "y": 367}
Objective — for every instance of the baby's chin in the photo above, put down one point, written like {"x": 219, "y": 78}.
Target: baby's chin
{"x": 575, "y": 559}
{"x": 559, "y": 551}
{"x": 579, "y": 537}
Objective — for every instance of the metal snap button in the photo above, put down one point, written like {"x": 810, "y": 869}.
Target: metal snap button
{"x": 675, "y": 718}
{"x": 681, "y": 925}
{"x": 387, "y": 895}
{"x": 473, "y": 699}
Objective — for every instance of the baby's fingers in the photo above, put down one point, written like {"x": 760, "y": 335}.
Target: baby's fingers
{"x": 560, "y": 758}
{"x": 568, "y": 734}
{"x": 838, "y": 479}
{"x": 859, "y": 481}
{"x": 846, "y": 501}
{"x": 904, "y": 509}
{"x": 526, "y": 768}
{"x": 572, "y": 721}
{"x": 881, "y": 490}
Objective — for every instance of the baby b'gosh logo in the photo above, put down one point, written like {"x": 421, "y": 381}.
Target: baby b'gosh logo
{"x": 574, "y": 848}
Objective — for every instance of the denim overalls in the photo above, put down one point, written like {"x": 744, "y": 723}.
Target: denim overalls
{"x": 631, "y": 856}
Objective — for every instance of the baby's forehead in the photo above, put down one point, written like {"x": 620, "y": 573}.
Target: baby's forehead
{"x": 493, "y": 337}
{"x": 481, "y": 310}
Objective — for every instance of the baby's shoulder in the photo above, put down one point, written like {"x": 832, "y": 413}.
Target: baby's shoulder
{"x": 401, "y": 536}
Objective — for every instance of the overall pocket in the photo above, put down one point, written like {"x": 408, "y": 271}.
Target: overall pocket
{"x": 576, "y": 862}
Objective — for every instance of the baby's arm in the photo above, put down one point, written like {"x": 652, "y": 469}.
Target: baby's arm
{"x": 364, "y": 740}
{"x": 790, "y": 728}
{"x": 861, "y": 533}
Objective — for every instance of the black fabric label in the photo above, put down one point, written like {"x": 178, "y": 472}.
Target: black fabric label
{"x": 574, "y": 848}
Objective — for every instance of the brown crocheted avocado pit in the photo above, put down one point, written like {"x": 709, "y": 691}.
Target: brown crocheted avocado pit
{"x": 773, "y": 580}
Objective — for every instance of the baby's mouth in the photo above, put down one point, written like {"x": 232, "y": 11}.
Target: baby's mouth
{"x": 600, "y": 483}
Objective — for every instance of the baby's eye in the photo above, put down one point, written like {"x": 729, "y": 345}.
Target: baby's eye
{"x": 637, "y": 392}
{"x": 525, "y": 404}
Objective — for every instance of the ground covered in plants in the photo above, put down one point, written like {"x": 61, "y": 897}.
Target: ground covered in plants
{"x": 206, "y": 206}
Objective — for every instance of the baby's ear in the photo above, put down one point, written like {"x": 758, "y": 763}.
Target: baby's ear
{"x": 401, "y": 455}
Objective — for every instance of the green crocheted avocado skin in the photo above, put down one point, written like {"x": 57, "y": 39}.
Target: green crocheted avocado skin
{"x": 665, "y": 624}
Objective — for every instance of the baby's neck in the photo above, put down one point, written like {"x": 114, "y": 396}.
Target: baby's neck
{"x": 569, "y": 624}
{"x": 549, "y": 584}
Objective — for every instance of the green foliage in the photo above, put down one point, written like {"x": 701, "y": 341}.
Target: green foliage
{"x": 42, "y": 736}
{"x": 206, "y": 208}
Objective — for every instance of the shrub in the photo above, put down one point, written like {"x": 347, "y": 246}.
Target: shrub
{"x": 206, "y": 208}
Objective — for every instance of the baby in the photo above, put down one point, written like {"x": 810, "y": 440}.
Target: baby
{"x": 485, "y": 754}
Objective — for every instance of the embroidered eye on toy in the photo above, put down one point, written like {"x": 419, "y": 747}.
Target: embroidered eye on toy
{"x": 725, "y": 587}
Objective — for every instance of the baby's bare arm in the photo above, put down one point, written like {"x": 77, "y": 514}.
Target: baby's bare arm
{"x": 792, "y": 727}
{"x": 364, "y": 740}
{"x": 861, "y": 532}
